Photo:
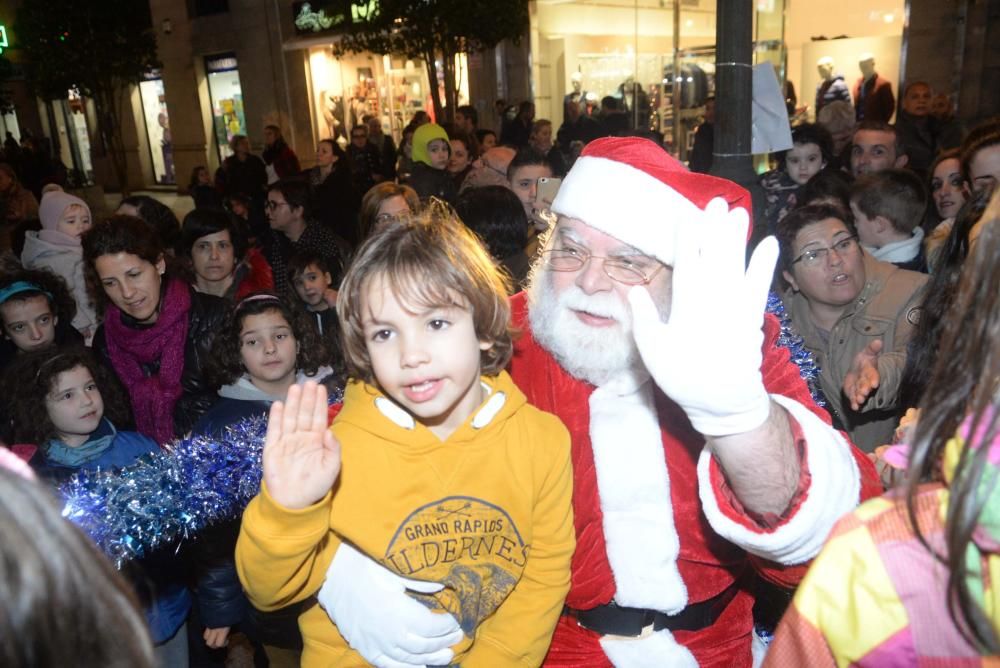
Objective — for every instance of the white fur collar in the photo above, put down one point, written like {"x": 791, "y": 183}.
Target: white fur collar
{"x": 634, "y": 487}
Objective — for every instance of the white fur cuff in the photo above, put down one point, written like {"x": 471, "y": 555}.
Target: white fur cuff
{"x": 833, "y": 491}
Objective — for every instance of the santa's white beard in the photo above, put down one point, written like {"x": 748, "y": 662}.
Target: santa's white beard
{"x": 593, "y": 354}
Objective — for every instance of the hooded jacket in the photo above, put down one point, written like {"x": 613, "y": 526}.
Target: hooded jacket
{"x": 486, "y": 512}
{"x": 243, "y": 399}
{"x": 427, "y": 180}
{"x": 62, "y": 255}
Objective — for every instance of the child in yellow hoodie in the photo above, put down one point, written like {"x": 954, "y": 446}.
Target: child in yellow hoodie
{"x": 448, "y": 536}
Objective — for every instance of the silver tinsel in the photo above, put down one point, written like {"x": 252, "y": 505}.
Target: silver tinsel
{"x": 169, "y": 496}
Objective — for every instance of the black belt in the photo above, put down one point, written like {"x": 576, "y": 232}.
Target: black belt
{"x": 615, "y": 620}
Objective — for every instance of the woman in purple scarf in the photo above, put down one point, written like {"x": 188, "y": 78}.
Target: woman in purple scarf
{"x": 157, "y": 331}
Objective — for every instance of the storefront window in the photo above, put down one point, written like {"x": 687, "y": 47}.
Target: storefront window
{"x": 348, "y": 88}
{"x": 8, "y": 123}
{"x": 633, "y": 54}
{"x": 154, "y": 109}
{"x": 74, "y": 139}
{"x": 656, "y": 58}
{"x": 226, "y": 95}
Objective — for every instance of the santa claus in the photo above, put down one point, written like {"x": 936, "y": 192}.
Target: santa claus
{"x": 700, "y": 458}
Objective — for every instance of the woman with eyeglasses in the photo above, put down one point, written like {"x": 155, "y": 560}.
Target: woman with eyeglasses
{"x": 386, "y": 203}
{"x": 854, "y": 313}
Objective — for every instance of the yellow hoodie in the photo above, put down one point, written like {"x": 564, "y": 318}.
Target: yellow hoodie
{"x": 486, "y": 512}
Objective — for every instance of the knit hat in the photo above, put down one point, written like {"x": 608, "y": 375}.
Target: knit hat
{"x": 53, "y": 205}
{"x": 424, "y": 135}
{"x": 632, "y": 190}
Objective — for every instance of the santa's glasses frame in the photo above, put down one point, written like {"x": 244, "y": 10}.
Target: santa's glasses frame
{"x": 628, "y": 271}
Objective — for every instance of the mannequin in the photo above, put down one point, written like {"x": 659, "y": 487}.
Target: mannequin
{"x": 873, "y": 98}
{"x": 831, "y": 87}
{"x": 576, "y": 96}
{"x": 333, "y": 113}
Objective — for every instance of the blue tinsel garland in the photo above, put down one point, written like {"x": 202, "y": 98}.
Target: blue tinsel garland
{"x": 790, "y": 339}
{"x": 169, "y": 496}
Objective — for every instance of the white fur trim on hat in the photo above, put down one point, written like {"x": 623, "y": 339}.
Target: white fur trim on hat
{"x": 626, "y": 203}
{"x": 833, "y": 491}
{"x": 634, "y": 489}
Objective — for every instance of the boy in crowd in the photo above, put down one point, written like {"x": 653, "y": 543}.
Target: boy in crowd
{"x": 309, "y": 273}
{"x": 453, "y": 486}
{"x": 523, "y": 173}
{"x": 888, "y": 208}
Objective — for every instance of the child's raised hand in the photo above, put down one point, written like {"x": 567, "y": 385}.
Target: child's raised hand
{"x": 301, "y": 457}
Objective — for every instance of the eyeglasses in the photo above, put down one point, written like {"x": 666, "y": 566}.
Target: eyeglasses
{"x": 271, "y": 205}
{"x": 386, "y": 218}
{"x": 817, "y": 256}
{"x": 629, "y": 271}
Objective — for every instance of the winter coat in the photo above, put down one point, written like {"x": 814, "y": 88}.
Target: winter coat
{"x": 158, "y": 578}
{"x": 247, "y": 177}
{"x": 18, "y": 204}
{"x": 282, "y": 158}
{"x": 220, "y": 596}
{"x": 252, "y": 275}
{"x": 206, "y": 197}
{"x": 204, "y": 320}
{"x": 781, "y": 195}
{"x": 65, "y": 261}
{"x": 878, "y": 104}
{"x": 430, "y": 182}
{"x": 333, "y": 200}
{"x": 316, "y": 238}
{"x": 924, "y": 138}
{"x": 887, "y": 309}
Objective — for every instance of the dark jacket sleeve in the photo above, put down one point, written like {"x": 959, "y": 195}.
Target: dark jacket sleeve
{"x": 219, "y": 595}
{"x": 205, "y": 319}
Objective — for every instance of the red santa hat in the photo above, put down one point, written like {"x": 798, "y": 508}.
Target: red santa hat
{"x": 633, "y": 190}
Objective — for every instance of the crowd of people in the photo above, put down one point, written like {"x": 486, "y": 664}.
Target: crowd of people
{"x": 591, "y": 413}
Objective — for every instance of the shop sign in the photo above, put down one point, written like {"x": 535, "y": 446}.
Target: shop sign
{"x": 224, "y": 62}
{"x": 3, "y": 38}
{"x": 331, "y": 15}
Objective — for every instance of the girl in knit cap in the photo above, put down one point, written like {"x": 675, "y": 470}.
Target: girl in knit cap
{"x": 431, "y": 153}
{"x": 57, "y": 248}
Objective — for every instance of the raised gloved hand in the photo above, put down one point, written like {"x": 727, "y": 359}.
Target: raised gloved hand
{"x": 370, "y": 607}
{"x": 707, "y": 356}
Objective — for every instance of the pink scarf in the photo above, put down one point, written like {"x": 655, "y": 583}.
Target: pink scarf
{"x": 153, "y": 397}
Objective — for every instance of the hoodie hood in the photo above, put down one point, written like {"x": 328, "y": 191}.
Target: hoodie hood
{"x": 368, "y": 409}
{"x": 244, "y": 389}
{"x": 51, "y": 209}
{"x": 424, "y": 135}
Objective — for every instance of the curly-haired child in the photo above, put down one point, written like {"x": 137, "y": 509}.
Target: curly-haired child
{"x": 60, "y": 406}
{"x": 265, "y": 346}
{"x": 453, "y": 487}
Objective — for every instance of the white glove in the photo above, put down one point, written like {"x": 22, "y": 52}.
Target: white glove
{"x": 370, "y": 607}
{"x": 707, "y": 357}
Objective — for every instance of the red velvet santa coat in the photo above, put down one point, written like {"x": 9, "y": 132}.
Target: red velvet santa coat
{"x": 718, "y": 543}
